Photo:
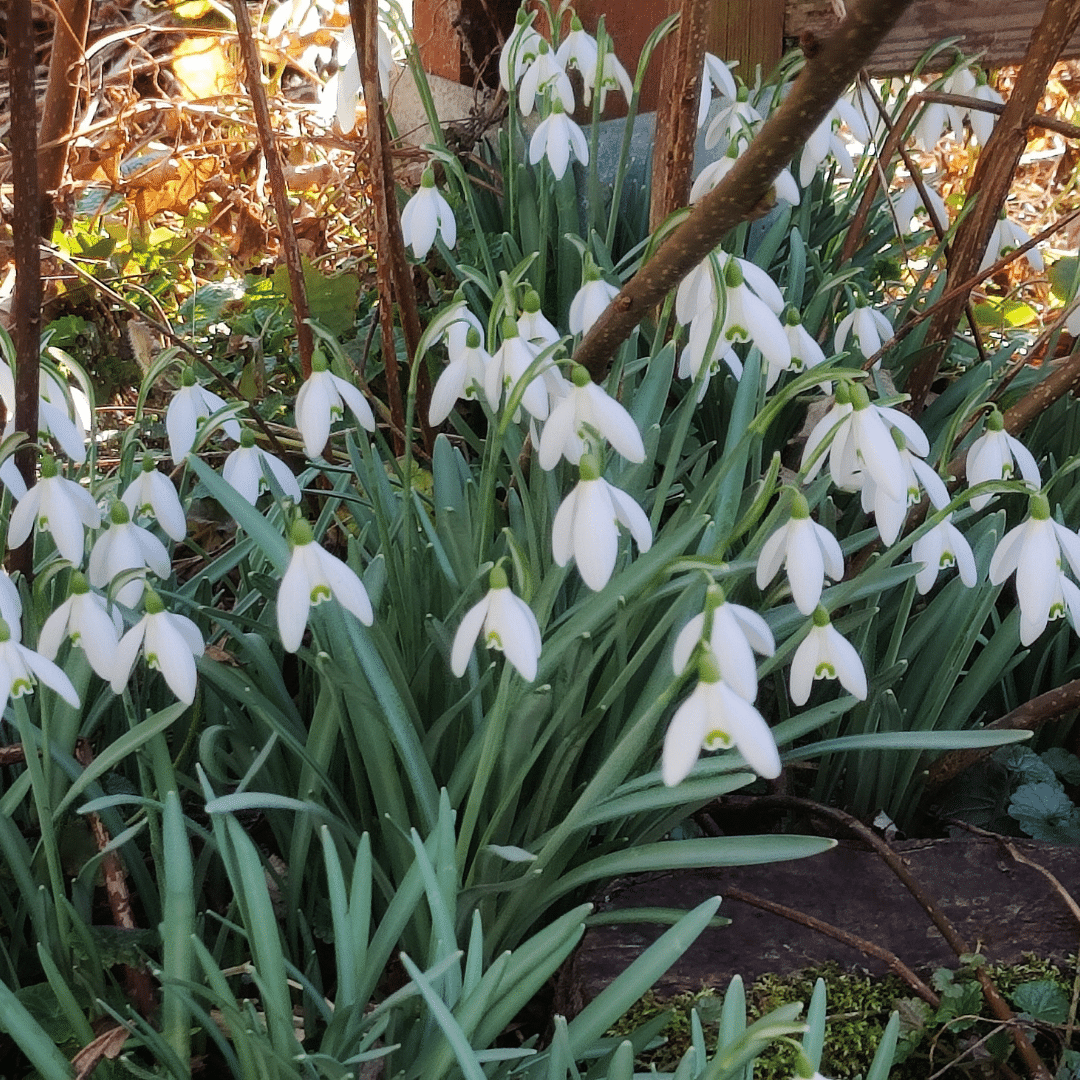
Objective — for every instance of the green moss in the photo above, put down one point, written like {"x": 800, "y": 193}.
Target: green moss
{"x": 859, "y": 1007}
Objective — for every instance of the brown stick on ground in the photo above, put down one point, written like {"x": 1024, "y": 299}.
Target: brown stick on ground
{"x": 305, "y": 341}
{"x": 1030, "y": 716}
{"x": 993, "y": 178}
{"x": 61, "y": 97}
{"x": 826, "y": 75}
{"x": 1034, "y": 1064}
{"x": 896, "y": 965}
{"x": 116, "y": 889}
{"x": 676, "y": 115}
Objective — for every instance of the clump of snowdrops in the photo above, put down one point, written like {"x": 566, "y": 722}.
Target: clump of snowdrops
{"x": 458, "y": 692}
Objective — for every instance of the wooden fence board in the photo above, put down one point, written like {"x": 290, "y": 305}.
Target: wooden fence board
{"x": 996, "y": 28}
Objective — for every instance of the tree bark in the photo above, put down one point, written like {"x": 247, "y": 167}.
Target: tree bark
{"x": 827, "y": 73}
{"x": 676, "y": 114}
{"x": 25, "y": 224}
{"x": 992, "y": 179}
{"x": 61, "y": 97}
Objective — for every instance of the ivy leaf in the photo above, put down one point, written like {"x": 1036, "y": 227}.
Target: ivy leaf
{"x": 1042, "y": 1000}
{"x": 1066, "y": 765}
{"x": 1025, "y": 766}
{"x": 1044, "y": 811}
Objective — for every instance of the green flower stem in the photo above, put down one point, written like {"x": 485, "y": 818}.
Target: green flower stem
{"x": 608, "y": 777}
{"x": 654, "y": 39}
{"x": 494, "y": 736}
{"x": 32, "y": 741}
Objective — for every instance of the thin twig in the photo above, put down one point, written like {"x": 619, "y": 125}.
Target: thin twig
{"x": 305, "y": 341}
{"x": 824, "y": 77}
{"x": 1028, "y": 717}
{"x": 992, "y": 180}
{"x": 896, "y": 965}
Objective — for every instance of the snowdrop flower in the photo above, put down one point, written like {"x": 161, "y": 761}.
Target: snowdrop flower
{"x": 715, "y": 717}
{"x": 589, "y": 303}
{"x": 805, "y": 351}
{"x": 735, "y": 122}
{"x": 321, "y": 400}
{"x": 246, "y": 466}
{"x": 505, "y": 622}
{"x": 995, "y": 455}
{"x": 85, "y": 620}
{"x": 314, "y": 575}
{"x": 580, "y": 419}
{"x": 152, "y": 493}
{"x": 982, "y": 123}
{"x": 554, "y": 138}
{"x": 170, "y": 643}
{"x": 867, "y": 326}
{"x": 62, "y": 506}
{"x": 825, "y": 654}
{"x": 807, "y": 550}
{"x": 533, "y": 325}
{"x": 698, "y": 291}
{"x": 56, "y": 417}
{"x": 520, "y": 50}
{"x": 862, "y": 443}
{"x": 21, "y": 668}
{"x": 1033, "y": 551}
{"x": 10, "y": 601}
{"x": 943, "y": 546}
{"x": 784, "y": 186}
{"x": 1006, "y": 238}
{"x": 343, "y": 90}
{"x": 586, "y": 526}
{"x": 123, "y": 547}
{"x": 463, "y": 377}
{"x": 692, "y": 359}
{"x": 545, "y": 73}
{"x": 735, "y": 634}
{"x": 889, "y": 513}
{"x": 715, "y": 74}
{"x": 426, "y": 214}
{"x": 508, "y": 364}
{"x": 580, "y": 50}
{"x": 191, "y": 405}
{"x": 827, "y": 141}
{"x": 746, "y": 318}
{"x": 908, "y": 202}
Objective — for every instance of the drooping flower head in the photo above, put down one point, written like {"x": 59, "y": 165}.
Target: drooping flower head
{"x": 190, "y": 406}
{"x": 586, "y": 525}
{"x": 58, "y": 505}
{"x": 996, "y": 455}
{"x": 312, "y": 577}
{"x": 321, "y": 400}
{"x": 125, "y": 547}
{"x": 21, "y": 668}
{"x": 714, "y": 717}
{"x": 170, "y": 644}
{"x": 151, "y": 493}
{"x": 86, "y": 620}
{"x": 504, "y": 622}
{"x": 246, "y": 467}
{"x": 582, "y": 419}
{"x": 825, "y": 654}
{"x": 427, "y": 215}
